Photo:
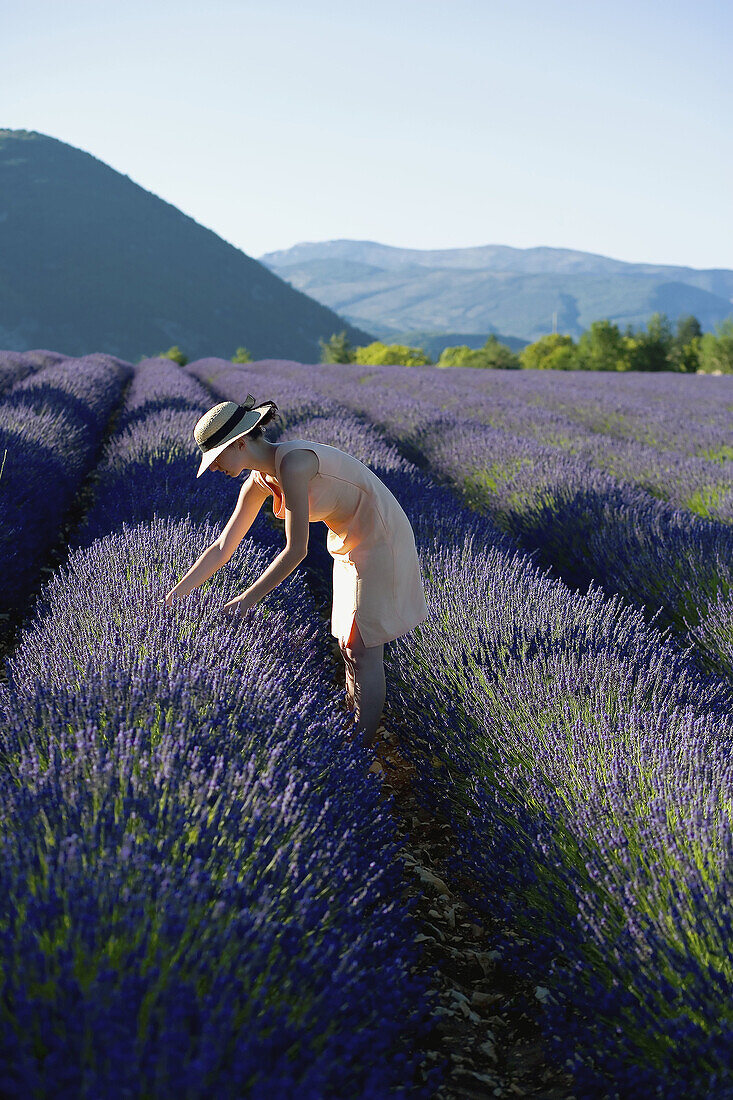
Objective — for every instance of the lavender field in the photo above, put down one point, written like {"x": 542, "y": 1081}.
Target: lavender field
{"x": 203, "y": 886}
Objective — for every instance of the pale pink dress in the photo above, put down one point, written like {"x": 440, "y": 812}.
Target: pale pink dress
{"x": 376, "y": 571}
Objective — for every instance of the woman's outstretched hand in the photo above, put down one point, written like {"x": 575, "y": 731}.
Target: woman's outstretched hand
{"x": 240, "y": 605}
{"x": 235, "y": 608}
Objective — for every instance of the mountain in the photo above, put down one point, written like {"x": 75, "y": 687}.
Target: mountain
{"x": 90, "y": 261}
{"x": 495, "y": 288}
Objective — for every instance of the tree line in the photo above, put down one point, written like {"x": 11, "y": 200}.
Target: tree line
{"x": 602, "y": 346}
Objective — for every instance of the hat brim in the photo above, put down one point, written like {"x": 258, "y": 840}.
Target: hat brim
{"x": 237, "y": 433}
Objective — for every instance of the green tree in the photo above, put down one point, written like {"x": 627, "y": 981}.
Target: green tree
{"x": 684, "y": 354}
{"x": 716, "y": 348}
{"x": 603, "y": 347}
{"x": 457, "y": 355}
{"x": 174, "y": 353}
{"x": 687, "y": 358}
{"x": 493, "y": 355}
{"x": 378, "y": 353}
{"x": 499, "y": 356}
{"x": 554, "y": 351}
{"x": 241, "y": 355}
{"x": 337, "y": 349}
{"x": 688, "y": 327}
{"x": 650, "y": 349}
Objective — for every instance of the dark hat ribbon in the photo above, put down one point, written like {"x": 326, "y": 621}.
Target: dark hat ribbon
{"x": 223, "y": 431}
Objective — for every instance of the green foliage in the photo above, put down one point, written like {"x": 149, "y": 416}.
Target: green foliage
{"x": 705, "y": 500}
{"x": 498, "y": 356}
{"x": 493, "y": 355}
{"x": 554, "y": 351}
{"x": 716, "y": 348}
{"x": 459, "y": 355}
{"x": 724, "y": 453}
{"x": 337, "y": 349}
{"x": 685, "y": 352}
{"x": 175, "y": 354}
{"x": 603, "y": 347}
{"x": 649, "y": 350}
{"x": 377, "y": 353}
{"x": 241, "y": 355}
{"x": 688, "y": 327}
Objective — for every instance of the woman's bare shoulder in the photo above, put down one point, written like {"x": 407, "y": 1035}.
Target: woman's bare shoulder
{"x": 299, "y": 463}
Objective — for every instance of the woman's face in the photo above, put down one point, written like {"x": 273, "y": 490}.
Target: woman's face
{"x": 232, "y": 460}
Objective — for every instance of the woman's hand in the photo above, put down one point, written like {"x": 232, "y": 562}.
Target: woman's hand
{"x": 240, "y": 605}
{"x": 168, "y": 599}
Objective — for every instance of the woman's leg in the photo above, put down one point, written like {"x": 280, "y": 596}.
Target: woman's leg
{"x": 350, "y": 691}
{"x": 369, "y": 688}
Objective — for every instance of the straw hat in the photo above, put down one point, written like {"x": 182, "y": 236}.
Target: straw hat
{"x": 221, "y": 425}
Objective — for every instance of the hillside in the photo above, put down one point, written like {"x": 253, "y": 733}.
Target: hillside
{"x": 91, "y": 261}
{"x": 494, "y": 288}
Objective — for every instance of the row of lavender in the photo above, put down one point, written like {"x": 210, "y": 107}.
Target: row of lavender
{"x": 584, "y": 762}
{"x": 52, "y": 421}
{"x": 585, "y": 523}
{"x": 199, "y": 884}
{"x": 17, "y": 365}
{"x": 668, "y": 435}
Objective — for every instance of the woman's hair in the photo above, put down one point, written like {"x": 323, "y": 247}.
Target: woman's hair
{"x": 272, "y": 416}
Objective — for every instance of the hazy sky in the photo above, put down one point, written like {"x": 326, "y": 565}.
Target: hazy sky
{"x": 416, "y": 123}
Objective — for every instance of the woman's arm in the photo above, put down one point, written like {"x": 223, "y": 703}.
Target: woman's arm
{"x": 250, "y": 500}
{"x": 282, "y": 567}
{"x": 205, "y": 567}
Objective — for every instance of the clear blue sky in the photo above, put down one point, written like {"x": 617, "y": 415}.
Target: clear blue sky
{"x": 416, "y": 123}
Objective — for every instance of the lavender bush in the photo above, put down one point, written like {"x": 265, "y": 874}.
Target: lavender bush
{"x": 210, "y": 905}
{"x": 52, "y": 423}
{"x": 17, "y": 365}
{"x": 149, "y": 466}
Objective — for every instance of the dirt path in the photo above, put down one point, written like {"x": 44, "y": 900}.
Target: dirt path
{"x": 492, "y": 1047}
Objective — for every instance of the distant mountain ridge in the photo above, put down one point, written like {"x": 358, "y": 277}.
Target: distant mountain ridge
{"x": 496, "y": 288}
{"x": 91, "y": 261}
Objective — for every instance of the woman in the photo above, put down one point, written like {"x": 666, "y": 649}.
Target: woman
{"x": 377, "y": 586}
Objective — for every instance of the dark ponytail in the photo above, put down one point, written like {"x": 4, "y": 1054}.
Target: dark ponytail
{"x": 272, "y": 416}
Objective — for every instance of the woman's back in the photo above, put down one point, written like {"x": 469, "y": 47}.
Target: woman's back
{"x": 376, "y": 571}
{"x": 346, "y": 495}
